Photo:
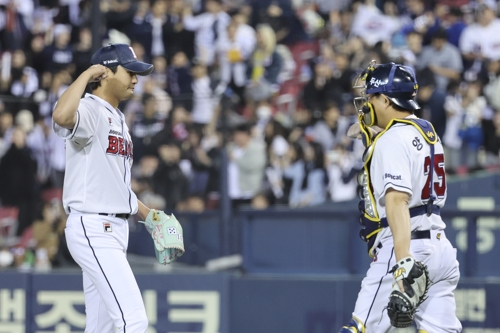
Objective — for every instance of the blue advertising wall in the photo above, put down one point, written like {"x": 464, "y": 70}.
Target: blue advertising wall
{"x": 221, "y": 303}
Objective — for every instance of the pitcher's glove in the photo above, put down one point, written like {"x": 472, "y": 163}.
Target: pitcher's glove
{"x": 167, "y": 236}
{"x": 415, "y": 278}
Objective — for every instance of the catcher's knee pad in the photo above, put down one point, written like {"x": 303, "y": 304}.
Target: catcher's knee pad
{"x": 353, "y": 326}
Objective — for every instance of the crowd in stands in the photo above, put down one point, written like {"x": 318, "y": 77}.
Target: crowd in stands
{"x": 280, "y": 72}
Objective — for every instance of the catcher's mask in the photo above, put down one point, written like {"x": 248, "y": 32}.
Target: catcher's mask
{"x": 396, "y": 82}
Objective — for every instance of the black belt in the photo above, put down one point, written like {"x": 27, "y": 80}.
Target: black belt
{"x": 417, "y": 234}
{"x": 416, "y": 211}
{"x": 421, "y": 234}
{"x": 121, "y": 216}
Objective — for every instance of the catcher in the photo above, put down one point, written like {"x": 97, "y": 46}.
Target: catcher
{"x": 403, "y": 188}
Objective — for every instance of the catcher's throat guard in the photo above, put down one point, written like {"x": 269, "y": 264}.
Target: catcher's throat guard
{"x": 366, "y": 113}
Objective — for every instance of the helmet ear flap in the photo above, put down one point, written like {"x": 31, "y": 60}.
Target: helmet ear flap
{"x": 369, "y": 117}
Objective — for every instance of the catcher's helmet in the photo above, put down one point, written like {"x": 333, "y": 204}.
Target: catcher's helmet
{"x": 397, "y": 82}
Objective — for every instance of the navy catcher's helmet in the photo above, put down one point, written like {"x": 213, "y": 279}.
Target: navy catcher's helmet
{"x": 397, "y": 82}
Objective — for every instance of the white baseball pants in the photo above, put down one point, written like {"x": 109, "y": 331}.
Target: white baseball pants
{"x": 113, "y": 301}
{"x": 437, "y": 313}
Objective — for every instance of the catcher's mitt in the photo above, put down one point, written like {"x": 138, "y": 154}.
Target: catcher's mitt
{"x": 415, "y": 278}
{"x": 167, "y": 236}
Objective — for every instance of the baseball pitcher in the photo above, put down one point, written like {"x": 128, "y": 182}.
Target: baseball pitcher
{"x": 97, "y": 194}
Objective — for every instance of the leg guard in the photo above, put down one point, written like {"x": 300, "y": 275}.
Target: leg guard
{"x": 353, "y": 326}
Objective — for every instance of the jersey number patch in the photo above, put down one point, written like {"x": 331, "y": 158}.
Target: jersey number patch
{"x": 439, "y": 181}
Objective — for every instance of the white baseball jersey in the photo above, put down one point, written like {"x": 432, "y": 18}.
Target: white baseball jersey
{"x": 401, "y": 160}
{"x": 98, "y": 160}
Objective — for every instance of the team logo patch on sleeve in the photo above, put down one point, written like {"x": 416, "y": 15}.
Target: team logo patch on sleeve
{"x": 107, "y": 227}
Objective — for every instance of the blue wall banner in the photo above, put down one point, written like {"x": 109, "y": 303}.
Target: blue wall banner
{"x": 221, "y": 303}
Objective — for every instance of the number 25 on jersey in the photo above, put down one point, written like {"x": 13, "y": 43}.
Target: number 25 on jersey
{"x": 439, "y": 181}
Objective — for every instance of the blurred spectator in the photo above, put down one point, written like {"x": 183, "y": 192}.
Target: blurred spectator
{"x": 147, "y": 27}
{"x": 59, "y": 55}
{"x": 24, "y": 79}
{"x": 15, "y": 22}
{"x": 18, "y": 184}
{"x": 307, "y": 175}
{"x": 208, "y": 27}
{"x": 168, "y": 180}
{"x": 342, "y": 79}
{"x": 442, "y": 58}
{"x": 234, "y": 49}
{"x": 35, "y": 55}
{"x": 247, "y": 157}
{"x": 413, "y": 49}
{"x": 372, "y": 25}
{"x": 203, "y": 102}
{"x": 493, "y": 86}
{"x": 193, "y": 204}
{"x": 342, "y": 168}
{"x": 260, "y": 202}
{"x": 480, "y": 40}
{"x": 455, "y": 25}
{"x": 471, "y": 131}
{"x": 159, "y": 75}
{"x": 320, "y": 90}
{"x": 431, "y": 101}
{"x": 6, "y": 129}
{"x": 58, "y": 83}
{"x": 200, "y": 163}
{"x": 422, "y": 19}
{"x": 175, "y": 36}
{"x": 331, "y": 130}
{"x": 175, "y": 129}
{"x": 273, "y": 16}
{"x": 492, "y": 140}
{"x": 83, "y": 52}
{"x": 452, "y": 142}
{"x": 264, "y": 66}
{"x": 179, "y": 80}
{"x": 340, "y": 25}
{"x": 157, "y": 19}
{"x": 37, "y": 141}
{"x": 119, "y": 14}
{"x": 48, "y": 230}
{"x": 146, "y": 125}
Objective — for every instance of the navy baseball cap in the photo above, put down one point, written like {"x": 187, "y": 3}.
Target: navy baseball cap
{"x": 121, "y": 54}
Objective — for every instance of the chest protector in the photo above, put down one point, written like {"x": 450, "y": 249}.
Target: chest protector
{"x": 369, "y": 219}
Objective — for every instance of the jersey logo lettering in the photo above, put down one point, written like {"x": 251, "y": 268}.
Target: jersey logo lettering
{"x": 376, "y": 82}
{"x": 388, "y": 175}
{"x": 107, "y": 62}
{"x": 117, "y": 146}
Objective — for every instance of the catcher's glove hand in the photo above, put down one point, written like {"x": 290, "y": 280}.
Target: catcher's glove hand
{"x": 415, "y": 279}
{"x": 167, "y": 236}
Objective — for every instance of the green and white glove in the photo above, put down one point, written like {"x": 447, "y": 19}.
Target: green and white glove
{"x": 166, "y": 232}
